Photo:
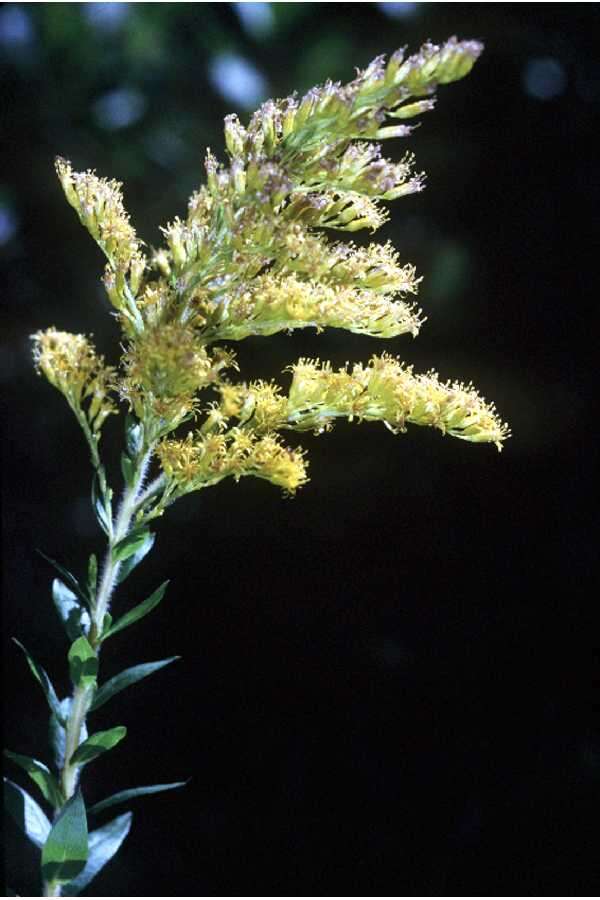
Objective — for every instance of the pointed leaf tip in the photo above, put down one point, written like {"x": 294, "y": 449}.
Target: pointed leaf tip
{"x": 68, "y": 578}
{"x": 41, "y": 676}
{"x": 127, "y": 677}
{"x": 97, "y": 744}
{"x": 124, "y": 796}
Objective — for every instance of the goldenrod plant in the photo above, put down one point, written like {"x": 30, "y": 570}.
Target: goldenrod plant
{"x": 254, "y": 255}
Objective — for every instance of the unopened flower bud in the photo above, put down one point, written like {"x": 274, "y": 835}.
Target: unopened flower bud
{"x": 235, "y": 136}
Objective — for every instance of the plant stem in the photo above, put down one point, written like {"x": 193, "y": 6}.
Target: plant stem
{"x": 153, "y": 488}
{"x": 80, "y": 702}
{"x": 110, "y": 571}
{"x": 82, "y": 696}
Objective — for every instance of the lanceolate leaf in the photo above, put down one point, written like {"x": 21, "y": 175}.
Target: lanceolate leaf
{"x": 26, "y": 813}
{"x": 103, "y": 844}
{"x": 41, "y": 775}
{"x": 75, "y": 618}
{"x": 68, "y": 578}
{"x": 127, "y": 677}
{"x": 98, "y": 743}
{"x": 101, "y": 508}
{"x": 123, "y": 796}
{"x": 130, "y": 544}
{"x": 83, "y": 663}
{"x": 42, "y": 677}
{"x": 134, "y": 435}
{"x": 66, "y": 849}
{"x": 138, "y": 611}
{"x": 127, "y": 469}
{"x": 92, "y": 575}
{"x": 106, "y": 623}
{"x": 132, "y": 561}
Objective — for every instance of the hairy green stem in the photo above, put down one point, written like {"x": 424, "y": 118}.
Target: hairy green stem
{"x": 82, "y": 696}
{"x": 127, "y": 509}
{"x": 153, "y": 488}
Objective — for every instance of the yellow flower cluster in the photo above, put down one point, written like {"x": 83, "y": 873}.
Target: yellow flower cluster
{"x": 71, "y": 364}
{"x": 340, "y": 210}
{"x": 360, "y": 168}
{"x": 252, "y": 257}
{"x": 202, "y": 460}
{"x": 99, "y": 205}
{"x": 165, "y": 367}
{"x": 275, "y": 303}
{"x": 298, "y": 166}
{"x": 372, "y": 268}
{"x": 386, "y": 390}
{"x": 334, "y": 112}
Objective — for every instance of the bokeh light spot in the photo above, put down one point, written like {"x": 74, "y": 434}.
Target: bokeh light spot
{"x": 119, "y": 108}
{"x": 257, "y": 18}
{"x": 238, "y": 80}
{"x": 8, "y": 224}
{"x": 106, "y": 17}
{"x": 399, "y": 10}
{"x": 16, "y": 29}
{"x": 544, "y": 79}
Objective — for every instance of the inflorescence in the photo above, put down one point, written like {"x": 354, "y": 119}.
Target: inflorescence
{"x": 253, "y": 257}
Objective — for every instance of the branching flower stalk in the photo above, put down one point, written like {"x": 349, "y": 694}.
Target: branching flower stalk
{"x": 251, "y": 258}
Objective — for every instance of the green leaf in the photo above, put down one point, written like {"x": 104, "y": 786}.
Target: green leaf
{"x": 129, "y": 564}
{"x": 124, "y": 679}
{"x": 83, "y": 663}
{"x": 66, "y": 850}
{"x": 96, "y": 744}
{"x": 130, "y": 544}
{"x": 123, "y": 796}
{"x": 101, "y": 506}
{"x": 103, "y": 844}
{"x": 68, "y": 578}
{"x": 40, "y": 775}
{"x": 142, "y": 609}
{"x": 106, "y": 623}
{"x": 27, "y": 814}
{"x": 92, "y": 575}
{"x": 127, "y": 469}
{"x": 75, "y": 618}
{"x": 41, "y": 676}
{"x": 134, "y": 435}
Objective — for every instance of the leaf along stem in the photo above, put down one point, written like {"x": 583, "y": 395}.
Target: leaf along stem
{"x": 82, "y": 696}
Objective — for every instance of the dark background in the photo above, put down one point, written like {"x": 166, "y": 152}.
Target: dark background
{"x": 385, "y": 683}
